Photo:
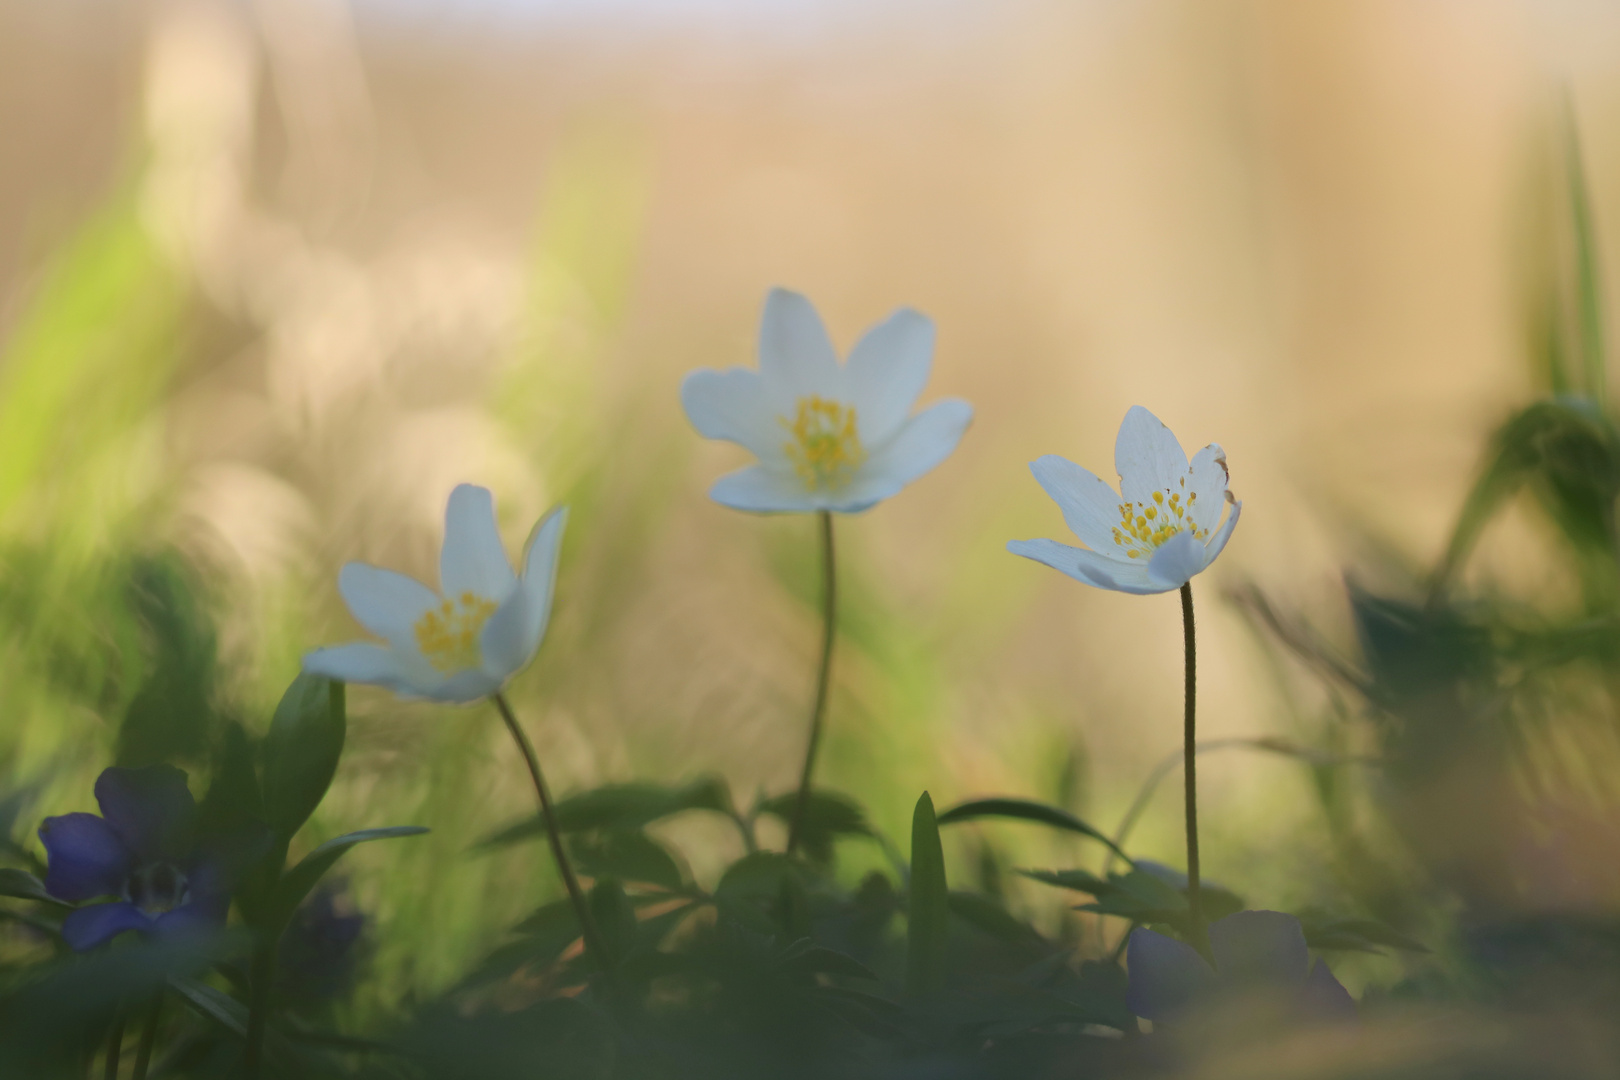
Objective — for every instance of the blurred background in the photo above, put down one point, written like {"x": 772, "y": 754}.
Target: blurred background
{"x": 276, "y": 274}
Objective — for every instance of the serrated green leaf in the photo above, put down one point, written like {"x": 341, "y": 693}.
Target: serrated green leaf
{"x": 628, "y": 856}
{"x": 827, "y": 815}
{"x": 928, "y": 912}
{"x": 1026, "y": 810}
{"x": 619, "y": 806}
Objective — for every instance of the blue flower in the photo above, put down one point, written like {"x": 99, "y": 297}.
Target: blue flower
{"x": 1256, "y": 952}
{"x": 141, "y": 850}
{"x": 321, "y": 947}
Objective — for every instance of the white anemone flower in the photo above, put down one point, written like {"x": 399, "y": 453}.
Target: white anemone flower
{"x": 829, "y": 437}
{"x": 465, "y": 641}
{"x": 1162, "y": 527}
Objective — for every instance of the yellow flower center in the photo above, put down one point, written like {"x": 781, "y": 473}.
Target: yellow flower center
{"x": 448, "y": 634}
{"x": 825, "y": 450}
{"x": 1145, "y": 526}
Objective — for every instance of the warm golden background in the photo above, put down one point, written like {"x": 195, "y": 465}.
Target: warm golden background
{"x": 276, "y": 275}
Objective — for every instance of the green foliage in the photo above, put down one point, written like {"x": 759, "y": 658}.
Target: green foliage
{"x": 1026, "y": 810}
{"x": 301, "y": 751}
{"x": 929, "y": 906}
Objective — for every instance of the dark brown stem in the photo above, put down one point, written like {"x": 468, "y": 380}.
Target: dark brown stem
{"x": 594, "y": 947}
{"x": 818, "y": 708}
{"x": 1195, "y": 907}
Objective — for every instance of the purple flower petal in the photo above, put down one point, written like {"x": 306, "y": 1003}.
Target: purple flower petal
{"x": 1260, "y": 949}
{"x": 90, "y": 926}
{"x": 189, "y": 920}
{"x": 151, "y": 810}
{"x": 86, "y": 857}
{"x": 1325, "y": 998}
{"x": 1166, "y": 976}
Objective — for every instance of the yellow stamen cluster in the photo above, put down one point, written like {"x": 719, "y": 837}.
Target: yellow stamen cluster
{"x": 825, "y": 450}
{"x": 448, "y": 634}
{"x": 1144, "y": 527}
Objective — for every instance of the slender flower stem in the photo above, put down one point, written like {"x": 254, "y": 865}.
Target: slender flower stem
{"x": 115, "y": 1045}
{"x": 1195, "y": 907}
{"x": 261, "y": 973}
{"x": 143, "y": 1049}
{"x": 587, "y": 926}
{"x": 818, "y": 709}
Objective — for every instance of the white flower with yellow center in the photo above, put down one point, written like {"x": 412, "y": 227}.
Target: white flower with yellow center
{"x": 465, "y": 642}
{"x": 828, "y": 436}
{"x": 1163, "y": 526}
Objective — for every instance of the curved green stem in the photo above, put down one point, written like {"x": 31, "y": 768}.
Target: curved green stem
{"x": 1195, "y": 907}
{"x": 143, "y": 1049}
{"x": 594, "y": 947}
{"x": 818, "y": 708}
{"x": 261, "y": 973}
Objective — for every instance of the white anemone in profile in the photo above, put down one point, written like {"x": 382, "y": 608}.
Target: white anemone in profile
{"x": 1163, "y": 526}
{"x": 830, "y": 437}
{"x": 465, "y": 641}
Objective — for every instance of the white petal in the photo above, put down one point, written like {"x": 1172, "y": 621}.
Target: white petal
{"x": 794, "y": 350}
{"x": 1177, "y": 560}
{"x": 1147, "y": 457}
{"x": 1090, "y": 507}
{"x": 1088, "y": 566}
{"x": 921, "y": 443}
{"x": 1217, "y": 543}
{"x": 1206, "y": 478}
{"x": 887, "y": 371}
{"x": 735, "y": 405}
{"x": 764, "y": 491}
{"x": 465, "y": 686}
{"x": 374, "y": 665}
{"x": 473, "y": 559}
{"x": 514, "y": 632}
{"x": 386, "y": 603}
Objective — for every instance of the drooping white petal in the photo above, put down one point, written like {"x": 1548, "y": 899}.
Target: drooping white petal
{"x": 765, "y": 491}
{"x": 736, "y": 405}
{"x": 922, "y": 442}
{"x": 513, "y": 634}
{"x": 374, "y": 665}
{"x": 1217, "y": 543}
{"x": 1090, "y": 567}
{"x": 1177, "y": 560}
{"x": 887, "y": 371}
{"x": 463, "y": 687}
{"x": 1147, "y": 456}
{"x": 386, "y": 603}
{"x": 1090, "y": 507}
{"x": 1206, "y": 478}
{"x": 794, "y": 350}
{"x": 472, "y": 559}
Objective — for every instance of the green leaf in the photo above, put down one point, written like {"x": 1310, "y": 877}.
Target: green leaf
{"x": 987, "y": 915}
{"x": 827, "y": 815}
{"x": 619, "y": 806}
{"x": 929, "y": 908}
{"x": 1078, "y": 880}
{"x": 297, "y": 883}
{"x": 1026, "y": 810}
{"x": 301, "y": 751}
{"x": 216, "y": 1005}
{"x": 752, "y": 889}
{"x": 628, "y": 856}
{"x": 614, "y": 916}
{"x": 805, "y": 957}
{"x": 25, "y": 886}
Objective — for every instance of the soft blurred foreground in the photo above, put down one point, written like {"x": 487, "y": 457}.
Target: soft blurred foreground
{"x": 277, "y": 275}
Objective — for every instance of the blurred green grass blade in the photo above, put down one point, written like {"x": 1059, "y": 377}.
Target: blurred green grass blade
{"x": 91, "y": 354}
{"x": 1026, "y": 810}
{"x": 1588, "y": 287}
{"x": 928, "y": 913}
